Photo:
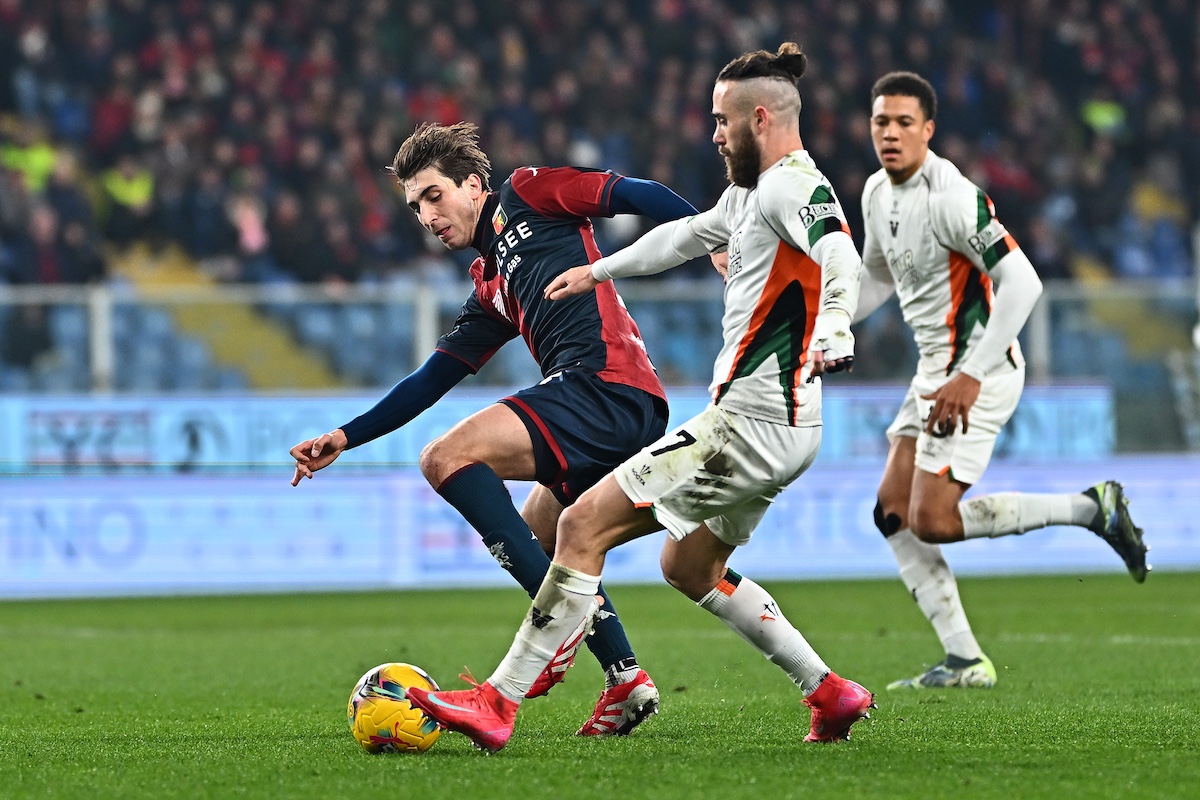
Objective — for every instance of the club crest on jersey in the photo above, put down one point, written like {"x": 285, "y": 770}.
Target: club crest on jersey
{"x": 499, "y": 220}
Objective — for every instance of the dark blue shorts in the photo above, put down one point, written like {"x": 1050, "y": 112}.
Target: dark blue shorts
{"x": 582, "y": 428}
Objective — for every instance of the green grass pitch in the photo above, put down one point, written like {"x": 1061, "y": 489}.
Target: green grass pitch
{"x": 244, "y": 697}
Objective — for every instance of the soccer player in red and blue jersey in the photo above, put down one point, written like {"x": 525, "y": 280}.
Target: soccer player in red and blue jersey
{"x": 599, "y": 402}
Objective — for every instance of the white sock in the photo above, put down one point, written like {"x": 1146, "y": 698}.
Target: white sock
{"x": 1005, "y": 513}
{"x": 564, "y": 599}
{"x": 931, "y": 583}
{"x": 753, "y": 614}
{"x": 623, "y": 671}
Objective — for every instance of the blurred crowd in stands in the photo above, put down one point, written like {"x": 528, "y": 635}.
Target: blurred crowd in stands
{"x": 254, "y": 132}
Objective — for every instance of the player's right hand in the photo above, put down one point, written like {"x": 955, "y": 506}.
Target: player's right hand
{"x": 314, "y": 454}
{"x": 831, "y": 348}
{"x": 575, "y": 281}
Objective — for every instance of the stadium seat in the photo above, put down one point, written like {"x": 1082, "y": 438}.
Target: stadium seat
{"x": 56, "y": 377}
{"x": 390, "y": 367}
{"x": 393, "y": 345}
{"x": 15, "y": 379}
{"x": 148, "y": 361}
{"x": 144, "y": 379}
{"x": 227, "y": 379}
{"x": 316, "y": 326}
{"x": 68, "y": 325}
{"x": 191, "y": 367}
{"x": 359, "y": 320}
{"x": 154, "y": 324}
{"x": 124, "y": 324}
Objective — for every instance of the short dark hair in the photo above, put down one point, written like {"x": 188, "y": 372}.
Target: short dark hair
{"x": 907, "y": 84}
{"x": 451, "y": 149}
{"x": 787, "y": 63}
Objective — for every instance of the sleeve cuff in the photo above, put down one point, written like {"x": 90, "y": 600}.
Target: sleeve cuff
{"x": 973, "y": 370}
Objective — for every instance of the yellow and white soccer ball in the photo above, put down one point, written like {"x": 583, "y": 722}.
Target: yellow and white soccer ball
{"x": 380, "y": 716}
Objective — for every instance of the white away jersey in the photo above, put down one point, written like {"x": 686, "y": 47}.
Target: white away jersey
{"x": 780, "y": 235}
{"x": 938, "y": 236}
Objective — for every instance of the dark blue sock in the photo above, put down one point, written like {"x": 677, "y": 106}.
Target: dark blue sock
{"x": 609, "y": 644}
{"x": 483, "y": 500}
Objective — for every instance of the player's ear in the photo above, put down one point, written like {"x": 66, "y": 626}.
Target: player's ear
{"x": 929, "y": 126}
{"x": 760, "y": 119}
{"x": 474, "y": 185}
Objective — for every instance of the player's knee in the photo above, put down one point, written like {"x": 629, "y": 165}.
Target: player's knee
{"x": 585, "y": 532}
{"x": 572, "y": 529}
{"x": 935, "y": 526}
{"x": 435, "y": 461}
{"x": 887, "y": 523}
{"x": 671, "y": 572}
{"x": 687, "y": 581}
{"x": 428, "y": 462}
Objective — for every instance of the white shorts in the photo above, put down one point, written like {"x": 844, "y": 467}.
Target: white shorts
{"x": 719, "y": 468}
{"x": 964, "y": 455}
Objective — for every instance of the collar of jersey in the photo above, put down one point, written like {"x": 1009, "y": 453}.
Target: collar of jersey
{"x": 484, "y": 234}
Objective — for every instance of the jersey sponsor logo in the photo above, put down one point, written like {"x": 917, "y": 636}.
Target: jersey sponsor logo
{"x": 735, "y": 256}
{"x": 992, "y": 232}
{"x": 810, "y": 215}
{"x": 895, "y": 226}
{"x": 498, "y": 304}
{"x": 510, "y": 265}
{"x": 903, "y": 267}
{"x": 639, "y": 473}
{"x": 499, "y": 220}
{"x": 512, "y": 238}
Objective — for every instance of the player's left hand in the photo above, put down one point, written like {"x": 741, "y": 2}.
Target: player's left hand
{"x": 952, "y": 400}
{"x": 575, "y": 281}
{"x": 831, "y": 348}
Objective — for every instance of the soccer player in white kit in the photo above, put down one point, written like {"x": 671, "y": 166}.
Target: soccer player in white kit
{"x": 965, "y": 289}
{"x": 791, "y": 289}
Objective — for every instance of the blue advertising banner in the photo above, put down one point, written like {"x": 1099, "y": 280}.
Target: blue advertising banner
{"x": 161, "y": 534}
{"x": 57, "y": 434}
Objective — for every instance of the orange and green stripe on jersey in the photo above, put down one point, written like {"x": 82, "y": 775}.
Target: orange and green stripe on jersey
{"x": 781, "y": 324}
{"x": 970, "y": 305}
{"x": 994, "y": 251}
{"x": 821, "y": 216}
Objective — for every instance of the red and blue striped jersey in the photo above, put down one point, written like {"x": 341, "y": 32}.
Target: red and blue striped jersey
{"x": 536, "y": 226}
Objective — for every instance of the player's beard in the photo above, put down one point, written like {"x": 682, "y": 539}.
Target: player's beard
{"x": 742, "y": 163}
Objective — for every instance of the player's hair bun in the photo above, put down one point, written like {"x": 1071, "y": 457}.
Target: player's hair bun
{"x": 786, "y": 63}
{"x": 790, "y": 59}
